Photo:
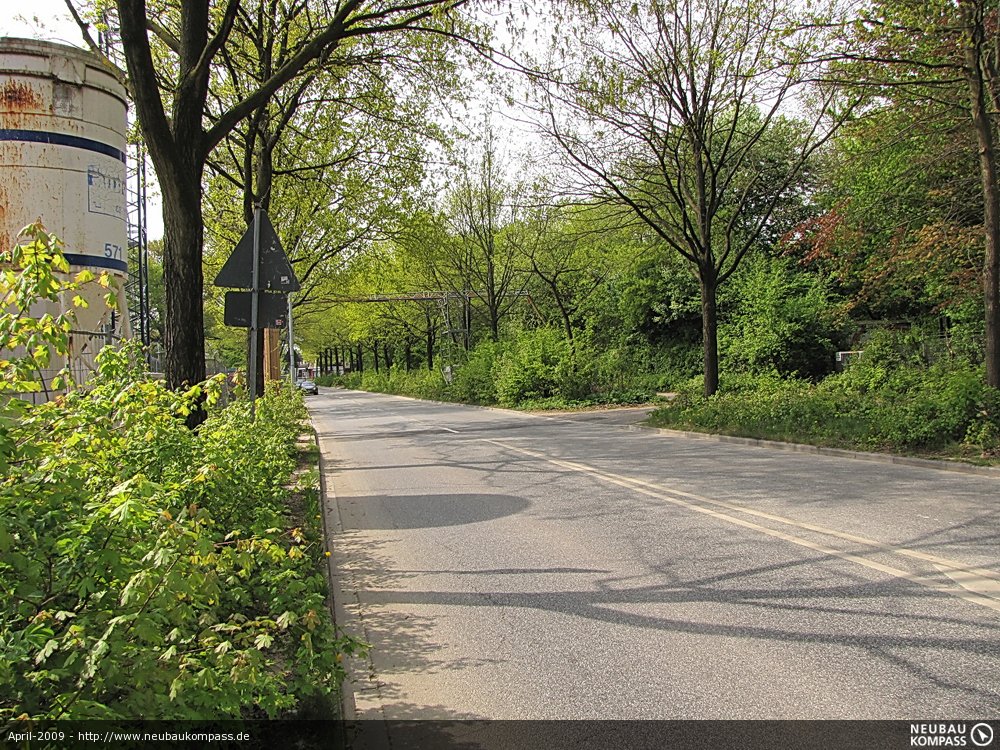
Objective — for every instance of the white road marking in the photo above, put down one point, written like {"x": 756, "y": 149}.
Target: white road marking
{"x": 975, "y": 585}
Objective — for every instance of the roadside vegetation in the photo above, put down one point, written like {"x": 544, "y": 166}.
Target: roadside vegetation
{"x": 148, "y": 570}
{"x": 883, "y": 402}
{"x": 713, "y": 198}
{"x": 834, "y": 282}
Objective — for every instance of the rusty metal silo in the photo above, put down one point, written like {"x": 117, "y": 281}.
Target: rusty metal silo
{"x": 62, "y": 160}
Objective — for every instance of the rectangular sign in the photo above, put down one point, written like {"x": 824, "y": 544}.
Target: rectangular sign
{"x": 272, "y": 311}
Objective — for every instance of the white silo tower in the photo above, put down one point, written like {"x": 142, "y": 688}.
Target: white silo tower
{"x": 62, "y": 160}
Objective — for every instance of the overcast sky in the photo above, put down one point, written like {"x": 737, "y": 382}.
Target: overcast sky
{"x": 39, "y": 19}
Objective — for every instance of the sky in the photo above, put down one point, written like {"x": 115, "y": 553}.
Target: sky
{"x": 39, "y": 19}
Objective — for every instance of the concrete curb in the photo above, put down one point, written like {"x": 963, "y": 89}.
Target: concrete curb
{"x": 334, "y": 597}
{"x": 358, "y": 668}
{"x": 884, "y": 458}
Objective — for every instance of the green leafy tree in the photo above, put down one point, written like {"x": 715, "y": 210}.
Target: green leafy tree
{"x": 943, "y": 54}
{"x": 482, "y": 212}
{"x": 901, "y": 237}
{"x": 572, "y": 252}
{"x": 173, "y": 52}
{"x": 673, "y": 111}
{"x": 333, "y": 159}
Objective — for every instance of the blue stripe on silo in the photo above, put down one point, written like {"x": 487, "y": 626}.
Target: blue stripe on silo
{"x": 96, "y": 261}
{"x": 61, "y": 139}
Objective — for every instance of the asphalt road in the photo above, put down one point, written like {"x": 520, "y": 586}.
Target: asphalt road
{"x": 506, "y": 565}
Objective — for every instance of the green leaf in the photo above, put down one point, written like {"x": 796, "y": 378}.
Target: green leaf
{"x": 51, "y": 646}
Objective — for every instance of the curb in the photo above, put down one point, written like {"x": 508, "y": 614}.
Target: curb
{"x": 358, "y": 668}
{"x": 884, "y": 458}
{"x": 333, "y": 603}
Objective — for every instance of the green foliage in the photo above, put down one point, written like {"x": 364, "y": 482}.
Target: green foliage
{"x": 780, "y": 321}
{"x": 889, "y": 399}
{"x": 417, "y": 383}
{"x": 150, "y": 571}
{"x": 328, "y": 380}
{"x": 529, "y": 368}
{"x": 473, "y": 381}
{"x": 35, "y": 324}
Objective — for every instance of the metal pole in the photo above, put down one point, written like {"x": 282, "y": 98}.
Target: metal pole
{"x": 291, "y": 343}
{"x": 254, "y": 311}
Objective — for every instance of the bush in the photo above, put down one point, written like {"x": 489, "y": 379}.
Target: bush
{"x": 529, "y": 368}
{"x": 473, "y": 380}
{"x": 882, "y": 401}
{"x": 149, "y": 571}
{"x": 425, "y": 384}
{"x": 781, "y": 321}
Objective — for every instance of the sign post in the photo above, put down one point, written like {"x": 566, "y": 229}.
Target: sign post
{"x": 291, "y": 345}
{"x": 258, "y": 263}
{"x": 254, "y": 313}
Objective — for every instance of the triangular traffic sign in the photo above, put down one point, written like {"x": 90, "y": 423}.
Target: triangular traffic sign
{"x": 275, "y": 270}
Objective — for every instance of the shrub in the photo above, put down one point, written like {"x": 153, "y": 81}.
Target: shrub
{"x": 529, "y": 368}
{"x": 983, "y": 432}
{"x": 149, "y": 571}
{"x": 872, "y": 405}
{"x": 473, "y": 380}
{"x": 425, "y": 384}
{"x": 782, "y": 321}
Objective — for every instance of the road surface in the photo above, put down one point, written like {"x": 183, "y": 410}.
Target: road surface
{"x": 506, "y": 565}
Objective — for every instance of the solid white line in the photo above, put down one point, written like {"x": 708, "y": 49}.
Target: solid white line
{"x": 975, "y": 585}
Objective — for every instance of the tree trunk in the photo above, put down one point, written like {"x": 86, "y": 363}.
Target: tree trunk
{"x": 991, "y": 193}
{"x": 710, "y": 331}
{"x": 567, "y": 325}
{"x": 177, "y": 148}
{"x": 183, "y": 286}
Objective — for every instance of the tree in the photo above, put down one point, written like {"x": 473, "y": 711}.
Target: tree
{"x": 482, "y": 212}
{"x": 334, "y": 158}
{"x": 170, "y": 101}
{"x": 901, "y": 236}
{"x": 570, "y": 252}
{"x": 673, "y": 110}
{"x": 944, "y": 52}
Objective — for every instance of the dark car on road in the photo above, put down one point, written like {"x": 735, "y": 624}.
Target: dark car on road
{"x": 307, "y": 386}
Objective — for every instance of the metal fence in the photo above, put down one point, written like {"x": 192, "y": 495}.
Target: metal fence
{"x": 156, "y": 358}
{"x": 81, "y": 362}
{"x": 84, "y": 346}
